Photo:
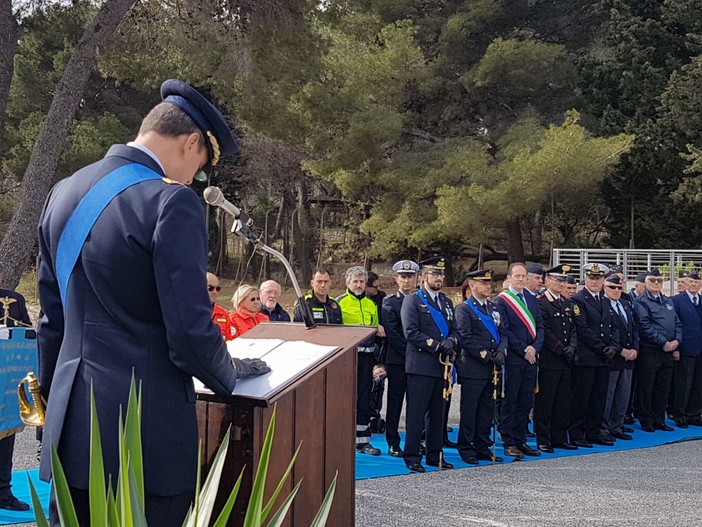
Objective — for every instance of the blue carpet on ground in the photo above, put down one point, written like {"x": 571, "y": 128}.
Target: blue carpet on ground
{"x": 20, "y": 488}
{"x": 384, "y": 465}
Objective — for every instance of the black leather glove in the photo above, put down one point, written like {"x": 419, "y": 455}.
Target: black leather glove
{"x": 609, "y": 352}
{"x": 249, "y": 367}
{"x": 447, "y": 347}
{"x": 569, "y": 354}
{"x": 498, "y": 358}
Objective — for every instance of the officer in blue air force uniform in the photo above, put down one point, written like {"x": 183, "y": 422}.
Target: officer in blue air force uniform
{"x": 483, "y": 347}
{"x": 430, "y": 330}
{"x": 395, "y": 351}
{"x": 130, "y": 299}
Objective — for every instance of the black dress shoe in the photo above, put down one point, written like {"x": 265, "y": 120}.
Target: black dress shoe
{"x": 622, "y": 435}
{"x": 489, "y": 457}
{"x": 626, "y": 429}
{"x": 546, "y": 448}
{"x": 471, "y": 460}
{"x": 416, "y": 467}
{"x": 450, "y": 444}
{"x": 695, "y": 421}
{"x": 13, "y": 504}
{"x": 513, "y": 451}
{"x": 395, "y": 451}
{"x": 565, "y": 446}
{"x": 367, "y": 448}
{"x": 601, "y": 440}
{"x": 581, "y": 443}
{"x": 527, "y": 450}
{"x": 443, "y": 465}
{"x": 647, "y": 428}
{"x": 628, "y": 420}
{"x": 681, "y": 423}
{"x": 663, "y": 426}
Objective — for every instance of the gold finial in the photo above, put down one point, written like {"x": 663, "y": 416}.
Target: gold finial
{"x": 31, "y": 414}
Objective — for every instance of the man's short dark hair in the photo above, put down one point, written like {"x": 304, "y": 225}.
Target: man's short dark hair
{"x": 319, "y": 270}
{"x": 168, "y": 120}
{"x": 372, "y": 277}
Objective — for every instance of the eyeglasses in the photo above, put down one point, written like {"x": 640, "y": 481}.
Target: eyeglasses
{"x": 253, "y": 299}
{"x": 655, "y": 280}
{"x": 618, "y": 287}
{"x": 211, "y": 288}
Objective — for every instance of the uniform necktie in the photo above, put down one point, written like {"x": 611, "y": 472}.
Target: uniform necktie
{"x": 694, "y": 300}
{"x": 621, "y": 312}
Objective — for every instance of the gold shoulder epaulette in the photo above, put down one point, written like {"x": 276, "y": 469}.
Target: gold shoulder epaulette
{"x": 170, "y": 181}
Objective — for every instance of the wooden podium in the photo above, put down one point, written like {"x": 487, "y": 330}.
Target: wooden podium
{"x": 317, "y": 409}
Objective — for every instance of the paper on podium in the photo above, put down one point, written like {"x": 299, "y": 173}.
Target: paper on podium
{"x": 289, "y": 360}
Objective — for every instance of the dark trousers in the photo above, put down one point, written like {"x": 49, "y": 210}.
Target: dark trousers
{"x": 589, "y": 396}
{"x": 425, "y": 404}
{"x": 397, "y": 386}
{"x": 364, "y": 386}
{"x": 687, "y": 380}
{"x": 161, "y": 511}
{"x": 7, "y": 447}
{"x": 552, "y": 407}
{"x": 618, "y": 392}
{"x": 654, "y": 375}
{"x": 520, "y": 380}
{"x": 477, "y": 411}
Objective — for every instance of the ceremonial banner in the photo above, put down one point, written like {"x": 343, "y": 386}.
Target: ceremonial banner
{"x": 18, "y": 356}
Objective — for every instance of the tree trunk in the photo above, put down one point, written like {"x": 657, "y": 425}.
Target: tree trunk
{"x": 515, "y": 248}
{"x": 9, "y": 34}
{"x": 20, "y": 238}
{"x": 300, "y": 229}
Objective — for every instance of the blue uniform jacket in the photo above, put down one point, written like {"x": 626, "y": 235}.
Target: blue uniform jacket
{"x": 137, "y": 301}
{"x": 518, "y": 336}
{"x": 658, "y": 322}
{"x": 423, "y": 335}
{"x": 691, "y": 319}
{"x": 278, "y": 314}
{"x": 396, "y": 348}
{"x": 477, "y": 343}
{"x": 596, "y": 329}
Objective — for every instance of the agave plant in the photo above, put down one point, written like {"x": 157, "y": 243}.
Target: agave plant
{"x": 124, "y": 506}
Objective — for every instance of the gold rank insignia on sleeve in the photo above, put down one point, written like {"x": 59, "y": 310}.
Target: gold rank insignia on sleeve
{"x": 430, "y": 342}
{"x": 483, "y": 354}
{"x": 576, "y": 309}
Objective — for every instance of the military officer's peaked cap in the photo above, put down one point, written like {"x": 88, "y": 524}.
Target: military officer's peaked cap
{"x": 654, "y": 273}
{"x": 534, "y": 268}
{"x": 481, "y": 275}
{"x": 694, "y": 274}
{"x": 641, "y": 277}
{"x": 595, "y": 269}
{"x": 405, "y": 267}
{"x": 683, "y": 273}
{"x": 219, "y": 138}
{"x": 434, "y": 265}
{"x": 559, "y": 272}
{"x": 571, "y": 280}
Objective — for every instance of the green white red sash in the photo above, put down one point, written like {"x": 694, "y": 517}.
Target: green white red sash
{"x": 522, "y": 311}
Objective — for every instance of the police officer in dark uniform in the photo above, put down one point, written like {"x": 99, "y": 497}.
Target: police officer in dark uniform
{"x": 483, "y": 346}
{"x": 660, "y": 334}
{"x": 598, "y": 342}
{"x": 552, "y": 402}
{"x": 430, "y": 329}
{"x": 123, "y": 249}
{"x": 395, "y": 351}
{"x": 325, "y": 310}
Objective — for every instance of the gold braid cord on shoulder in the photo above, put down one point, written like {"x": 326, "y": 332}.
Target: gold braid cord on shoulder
{"x": 215, "y": 147}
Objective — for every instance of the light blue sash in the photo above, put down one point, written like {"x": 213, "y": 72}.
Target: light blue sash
{"x": 439, "y": 319}
{"x": 79, "y": 225}
{"x": 487, "y": 321}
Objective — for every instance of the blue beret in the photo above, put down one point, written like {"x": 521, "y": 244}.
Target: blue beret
{"x": 613, "y": 279}
{"x": 694, "y": 275}
{"x": 683, "y": 273}
{"x": 641, "y": 277}
{"x": 535, "y": 269}
{"x": 219, "y": 138}
{"x": 654, "y": 272}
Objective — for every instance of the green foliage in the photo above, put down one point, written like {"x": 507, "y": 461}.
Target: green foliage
{"x": 125, "y": 508}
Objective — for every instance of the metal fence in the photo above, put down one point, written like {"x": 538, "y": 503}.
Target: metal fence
{"x": 633, "y": 261}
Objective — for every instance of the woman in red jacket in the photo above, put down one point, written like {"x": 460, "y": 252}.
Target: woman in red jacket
{"x": 247, "y": 312}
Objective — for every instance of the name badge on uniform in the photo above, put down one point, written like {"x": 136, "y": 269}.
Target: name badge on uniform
{"x": 318, "y": 315}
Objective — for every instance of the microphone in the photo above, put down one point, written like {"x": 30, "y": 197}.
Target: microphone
{"x": 214, "y": 196}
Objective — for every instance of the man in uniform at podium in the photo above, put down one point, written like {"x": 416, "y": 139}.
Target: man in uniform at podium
{"x": 430, "y": 329}
{"x": 123, "y": 249}
{"x": 13, "y": 313}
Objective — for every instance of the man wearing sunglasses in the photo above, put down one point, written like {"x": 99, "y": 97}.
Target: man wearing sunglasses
{"x": 219, "y": 314}
{"x": 621, "y": 368}
{"x": 660, "y": 333}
